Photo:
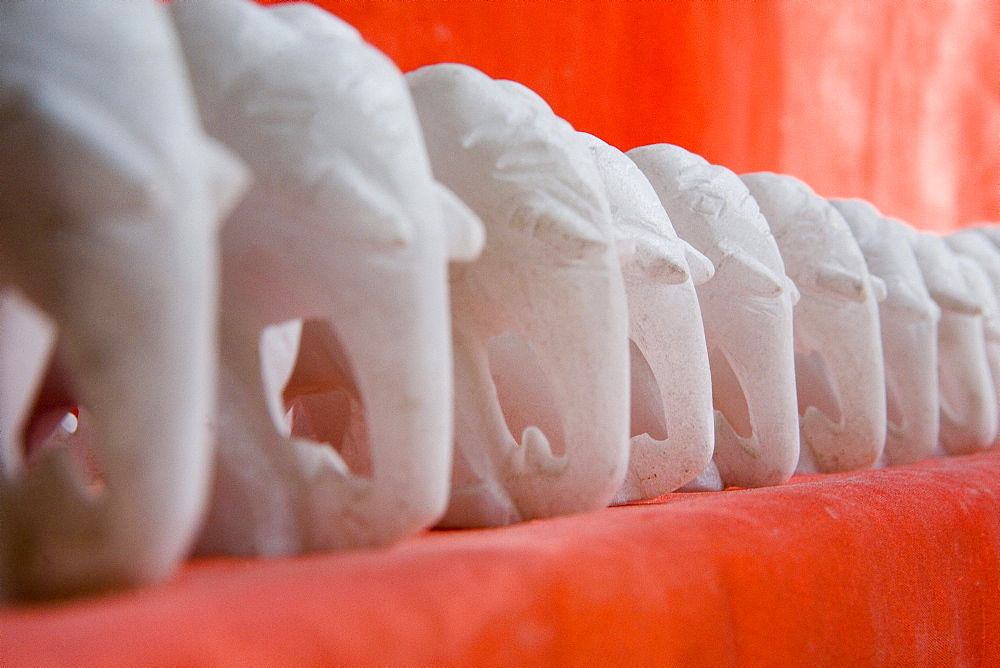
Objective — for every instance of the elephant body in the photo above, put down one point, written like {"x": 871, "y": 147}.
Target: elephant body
{"x": 967, "y": 394}
{"x": 673, "y": 430}
{"x": 975, "y": 245}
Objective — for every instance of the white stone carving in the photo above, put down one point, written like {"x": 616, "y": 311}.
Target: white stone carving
{"x": 977, "y": 246}
{"x": 747, "y": 313}
{"x": 540, "y": 323}
{"x": 345, "y": 228}
{"x": 838, "y": 344}
{"x": 967, "y": 395}
{"x": 110, "y": 201}
{"x": 673, "y": 423}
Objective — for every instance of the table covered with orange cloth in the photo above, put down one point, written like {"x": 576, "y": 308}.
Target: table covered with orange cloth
{"x": 893, "y": 567}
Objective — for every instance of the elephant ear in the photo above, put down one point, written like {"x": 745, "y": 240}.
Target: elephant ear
{"x": 624, "y": 246}
{"x": 752, "y": 274}
{"x": 879, "y": 288}
{"x": 903, "y": 298}
{"x": 838, "y": 282}
{"x": 701, "y": 268}
{"x": 793, "y": 290}
{"x": 557, "y": 226}
{"x": 659, "y": 260}
{"x": 954, "y": 301}
{"x": 465, "y": 232}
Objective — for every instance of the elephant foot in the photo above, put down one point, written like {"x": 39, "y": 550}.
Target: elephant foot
{"x": 479, "y": 505}
{"x": 654, "y": 470}
{"x": 708, "y": 480}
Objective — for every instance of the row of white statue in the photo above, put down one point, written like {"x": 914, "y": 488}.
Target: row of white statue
{"x": 490, "y": 316}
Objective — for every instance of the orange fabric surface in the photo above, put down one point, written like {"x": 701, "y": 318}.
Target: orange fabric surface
{"x": 891, "y": 100}
{"x": 898, "y": 566}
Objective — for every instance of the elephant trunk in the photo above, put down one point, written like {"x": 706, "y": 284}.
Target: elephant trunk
{"x": 754, "y": 339}
{"x": 580, "y": 339}
{"x": 847, "y": 339}
{"x": 669, "y": 334}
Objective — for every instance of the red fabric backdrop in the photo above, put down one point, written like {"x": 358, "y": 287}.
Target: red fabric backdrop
{"x": 896, "y": 101}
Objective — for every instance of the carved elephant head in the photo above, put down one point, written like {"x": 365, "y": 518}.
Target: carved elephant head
{"x": 540, "y": 319}
{"x": 838, "y": 343}
{"x": 967, "y": 395}
{"x": 908, "y": 319}
{"x": 111, "y": 193}
{"x": 673, "y": 430}
{"x": 747, "y": 312}
{"x": 346, "y": 229}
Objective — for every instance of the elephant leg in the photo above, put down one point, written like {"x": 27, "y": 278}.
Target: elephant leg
{"x": 254, "y": 495}
{"x": 393, "y": 426}
{"x": 840, "y": 371}
{"x": 911, "y": 378}
{"x": 753, "y": 388}
{"x": 392, "y": 365}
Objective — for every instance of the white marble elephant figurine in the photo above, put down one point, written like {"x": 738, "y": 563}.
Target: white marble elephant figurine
{"x": 673, "y": 425}
{"x": 967, "y": 395}
{"x": 747, "y": 313}
{"x": 539, "y": 321}
{"x": 980, "y": 285}
{"x": 110, "y": 199}
{"x": 908, "y": 319}
{"x": 839, "y": 367}
{"x": 974, "y": 244}
{"x": 346, "y": 229}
